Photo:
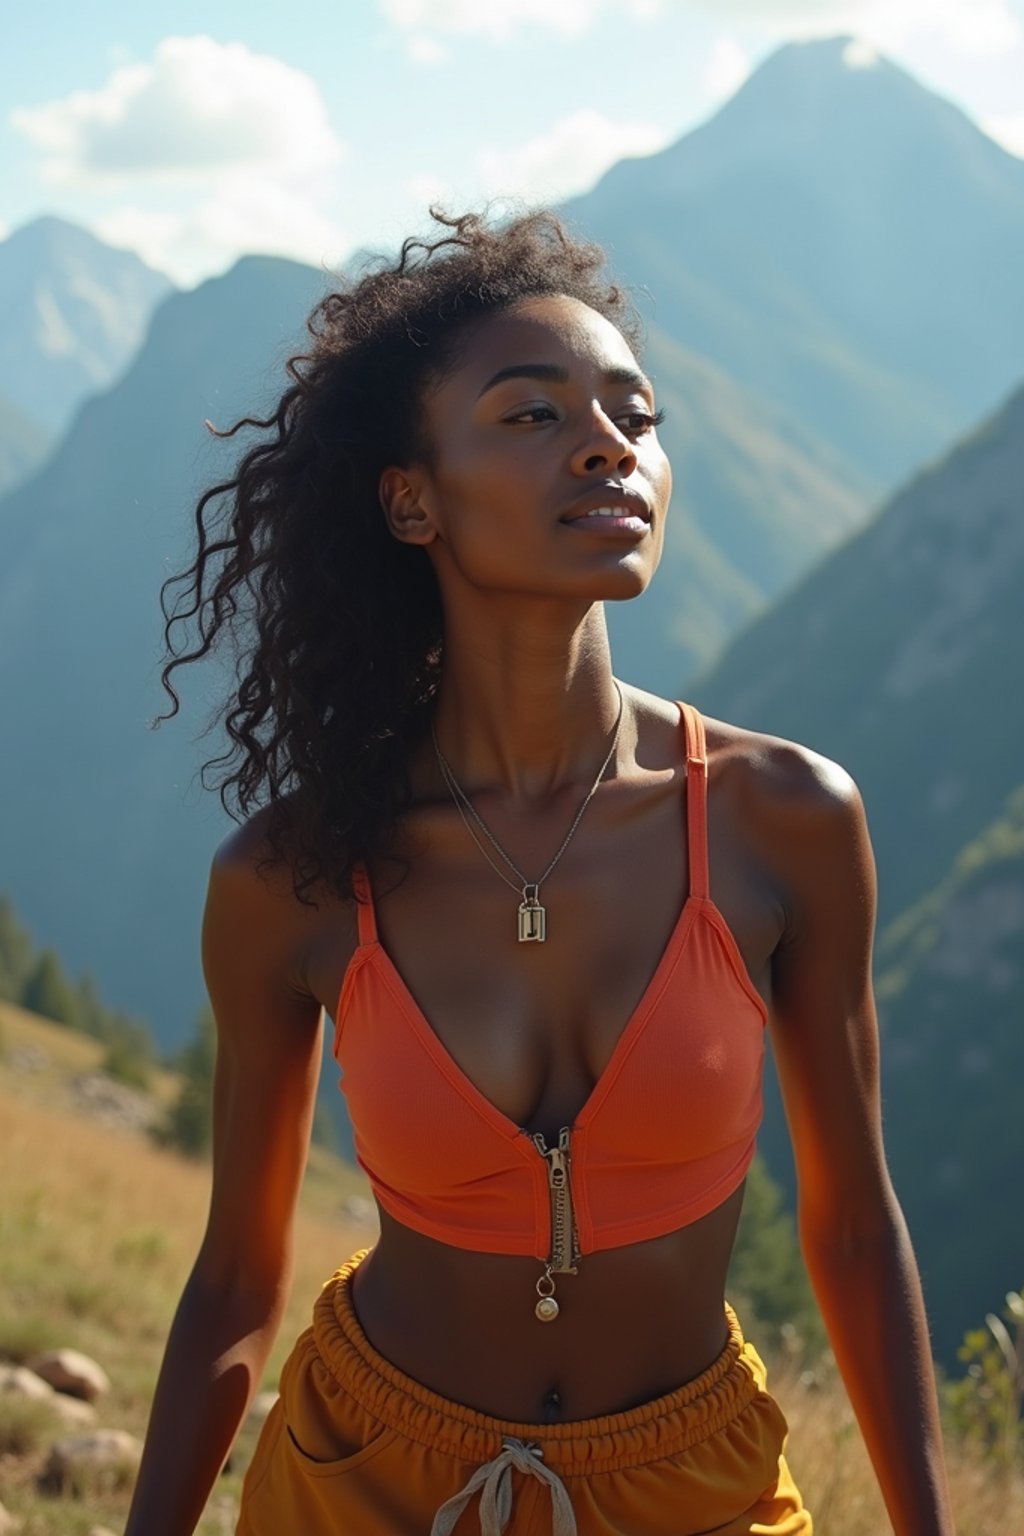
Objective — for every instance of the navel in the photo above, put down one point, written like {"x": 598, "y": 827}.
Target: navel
{"x": 552, "y": 1405}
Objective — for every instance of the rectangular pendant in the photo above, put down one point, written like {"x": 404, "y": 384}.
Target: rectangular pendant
{"x": 532, "y": 923}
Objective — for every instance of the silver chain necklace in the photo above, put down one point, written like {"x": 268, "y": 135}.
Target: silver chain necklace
{"x": 532, "y": 916}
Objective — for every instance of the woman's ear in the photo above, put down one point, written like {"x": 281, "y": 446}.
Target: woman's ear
{"x": 401, "y": 493}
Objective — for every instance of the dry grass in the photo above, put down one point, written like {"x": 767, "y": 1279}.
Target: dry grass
{"x": 98, "y": 1229}
{"x": 831, "y": 1466}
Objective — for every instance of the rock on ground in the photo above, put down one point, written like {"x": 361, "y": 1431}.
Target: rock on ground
{"x": 81, "y": 1461}
{"x": 113, "y": 1104}
{"x": 8, "y": 1524}
{"x": 73, "y": 1412}
{"x": 68, "y": 1370}
{"x": 19, "y": 1381}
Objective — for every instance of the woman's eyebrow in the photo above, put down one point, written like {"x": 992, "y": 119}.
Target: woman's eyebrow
{"x": 554, "y": 373}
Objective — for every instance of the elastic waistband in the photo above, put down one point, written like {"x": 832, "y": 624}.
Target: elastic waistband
{"x": 665, "y": 1426}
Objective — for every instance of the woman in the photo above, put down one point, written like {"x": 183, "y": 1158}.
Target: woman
{"x": 548, "y": 914}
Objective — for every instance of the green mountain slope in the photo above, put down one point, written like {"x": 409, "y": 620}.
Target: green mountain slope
{"x": 900, "y": 655}
{"x": 951, "y": 1005}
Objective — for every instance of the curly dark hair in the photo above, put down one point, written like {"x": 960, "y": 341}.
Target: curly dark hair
{"x": 336, "y": 626}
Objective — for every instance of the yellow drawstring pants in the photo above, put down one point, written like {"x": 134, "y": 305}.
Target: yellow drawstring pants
{"x": 355, "y": 1446}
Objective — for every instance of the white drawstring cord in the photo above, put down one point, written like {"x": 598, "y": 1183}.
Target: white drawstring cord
{"x": 493, "y": 1481}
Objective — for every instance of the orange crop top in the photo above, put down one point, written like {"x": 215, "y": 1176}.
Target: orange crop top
{"x": 666, "y": 1135}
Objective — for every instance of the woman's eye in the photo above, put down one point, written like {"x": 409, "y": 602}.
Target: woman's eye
{"x": 641, "y": 421}
{"x": 532, "y": 413}
{"x": 635, "y": 423}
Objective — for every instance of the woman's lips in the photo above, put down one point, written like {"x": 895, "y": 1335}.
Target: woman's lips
{"x": 609, "y": 520}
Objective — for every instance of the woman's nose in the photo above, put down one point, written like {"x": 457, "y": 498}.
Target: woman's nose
{"x": 605, "y": 446}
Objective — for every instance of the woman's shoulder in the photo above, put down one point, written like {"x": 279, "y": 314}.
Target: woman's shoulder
{"x": 248, "y": 863}
{"x": 251, "y": 866}
{"x": 787, "y": 775}
{"x": 305, "y": 937}
{"x": 799, "y": 811}
{"x": 249, "y": 847}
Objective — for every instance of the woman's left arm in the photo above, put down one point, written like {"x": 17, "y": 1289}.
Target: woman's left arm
{"x": 852, "y": 1231}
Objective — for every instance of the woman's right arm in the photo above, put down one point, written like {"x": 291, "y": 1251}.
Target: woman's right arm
{"x": 268, "y": 1060}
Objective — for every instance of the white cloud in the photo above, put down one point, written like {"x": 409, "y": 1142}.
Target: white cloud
{"x": 426, "y": 50}
{"x": 498, "y": 19}
{"x": 215, "y": 151}
{"x": 427, "y": 189}
{"x": 1007, "y": 131}
{"x": 246, "y": 213}
{"x": 568, "y": 158}
{"x": 980, "y": 27}
{"x": 199, "y": 106}
{"x": 727, "y": 69}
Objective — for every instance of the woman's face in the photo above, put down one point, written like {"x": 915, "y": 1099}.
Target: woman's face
{"x": 545, "y": 420}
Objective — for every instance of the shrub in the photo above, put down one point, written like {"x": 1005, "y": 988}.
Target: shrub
{"x": 984, "y": 1406}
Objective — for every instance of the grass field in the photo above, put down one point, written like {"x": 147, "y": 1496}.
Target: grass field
{"x": 98, "y": 1229}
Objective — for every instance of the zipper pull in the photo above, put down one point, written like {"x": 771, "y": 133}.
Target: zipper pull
{"x": 564, "y": 1243}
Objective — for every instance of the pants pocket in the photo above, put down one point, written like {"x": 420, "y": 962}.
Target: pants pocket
{"x": 378, "y": 1440}
{"x": 326, "y": 1431}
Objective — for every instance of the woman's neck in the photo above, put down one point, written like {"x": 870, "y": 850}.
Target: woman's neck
{"x": 527, "y": 702}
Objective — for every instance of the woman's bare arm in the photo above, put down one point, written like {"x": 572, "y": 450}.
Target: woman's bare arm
{"x": 268, "y": 1058}
{"x": 854, "y": 1239}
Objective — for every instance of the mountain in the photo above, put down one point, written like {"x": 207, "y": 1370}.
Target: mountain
{"x": 900, "y": 655}
{"x": 106, "y": 838}
{"x": 841, "y": 241}
{"x": 761, "y": 492}
{"x": 24, "y": 444}
{"x": 756, "y": 500}
{"x": 951, "y": 999}
{"x": 75, "y": 312}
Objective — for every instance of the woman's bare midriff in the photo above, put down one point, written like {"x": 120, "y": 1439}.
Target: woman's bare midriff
{"x": 635, "y": 1322}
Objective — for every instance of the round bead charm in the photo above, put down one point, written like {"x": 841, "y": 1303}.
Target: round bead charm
{"x": 546, "y": 1309}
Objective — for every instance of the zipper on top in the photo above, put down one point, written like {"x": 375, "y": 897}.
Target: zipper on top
{"x": 565, "y": 1248}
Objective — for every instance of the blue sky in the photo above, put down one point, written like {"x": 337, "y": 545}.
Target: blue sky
{"x": 195, "y": 132}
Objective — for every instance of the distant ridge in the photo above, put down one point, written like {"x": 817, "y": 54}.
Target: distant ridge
{"x": 75, "y": 311}
{"x": 23, "y": 444}
{"x": 107, "y": 839}
{"x": 756, "y": 500}
{"x": 840, "y": 240}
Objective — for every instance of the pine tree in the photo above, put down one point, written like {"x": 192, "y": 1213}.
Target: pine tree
{"x": 17, "y": 954}
{"x": 49, "y": 992}
{"x": 189, "y": 1124}
{"x": 91, "y": 1012}
{"x": 129, "y": 1049}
